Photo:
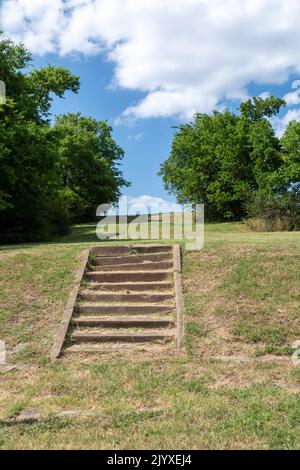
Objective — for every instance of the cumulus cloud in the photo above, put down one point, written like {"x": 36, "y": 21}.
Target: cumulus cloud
{"x": 184, "y": 55}
{"x": 144, "y": 204}
{"x": 152, "y": 205}
{"x": 138, "y": 136}
{"x": 280, "y": 124}
{"x": 293, "y": 97}
{"x": 264, "y": 95}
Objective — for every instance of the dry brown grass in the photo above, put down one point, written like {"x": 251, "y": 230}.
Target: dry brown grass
{"x": 245, "y": 303}
{"x": 234, "y": 388}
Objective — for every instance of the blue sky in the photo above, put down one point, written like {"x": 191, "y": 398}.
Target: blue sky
{"x": 146, "y": 66}
{"x": 146, "y": 142}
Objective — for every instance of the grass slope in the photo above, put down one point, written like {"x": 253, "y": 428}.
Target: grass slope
{"x": 235, "y": 387}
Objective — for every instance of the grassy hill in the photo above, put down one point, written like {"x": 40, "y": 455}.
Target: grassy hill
{"x": 235, "y": 387}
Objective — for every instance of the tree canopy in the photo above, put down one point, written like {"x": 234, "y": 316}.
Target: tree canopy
{"x": 89, "y": 159}
{"x": 49, "y": 175}
{"x": 221, "y": 159}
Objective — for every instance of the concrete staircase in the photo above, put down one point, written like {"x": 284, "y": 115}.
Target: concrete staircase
{"x": 126, "y": 301}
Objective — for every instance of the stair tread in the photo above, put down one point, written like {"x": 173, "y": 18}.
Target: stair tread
{"x": 125, "y": 310}
{"x": 138, "y": 271}
{"x": 134, "y": 320}
{"x": 141, "y": 263}
{"x": 118, "y": 348}
{"x": 145, "y": 293}
{"x": 136, "y": 258}
{"x": 133, "y": 248}
{"x": 147, "y": 265}
{"x": 125, "y": 297}
{"x": 128, "y": 276}
{"x": 132, "y": 283}
{"x": 103, "y": 252}
{"x": 122, "y": 304}
{"x": 120, "y": 333}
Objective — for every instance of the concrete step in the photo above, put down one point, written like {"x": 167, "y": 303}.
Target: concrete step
{"x": 119, "y": 348}
{"x": 134, "y": 276}
{"x": 123, "y": 322}
{"x": 147, "y": 266}
{"x": 131, "y": 286}
{"x": 143, "y": 297}
{"x": 128, "y": 250}
{"x": 114, "y": 309}
{"x": 124, "y": 259}
{"x": 124, "y": 303}
{"x": 89, "y": 336}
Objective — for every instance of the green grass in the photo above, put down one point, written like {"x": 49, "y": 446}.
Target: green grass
{"x": 235, "y": 387}
{"x": 15, "y": 408}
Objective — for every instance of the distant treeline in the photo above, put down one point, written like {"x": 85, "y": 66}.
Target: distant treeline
{"x": 237, "y": 166}
{"x": 50, "y": 175}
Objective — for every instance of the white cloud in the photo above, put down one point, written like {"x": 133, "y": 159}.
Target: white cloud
{"x": 151, "y": 204}
{"x": 264, "y": 95}
{"x": 280, "y": 124}
{"x": 138, "y": 136}
{"x": 293, "y": 97}
{"x": 185, "y": 55}
{"x": 145, "y": 204}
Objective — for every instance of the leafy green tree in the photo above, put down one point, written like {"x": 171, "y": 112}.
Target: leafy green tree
{"x": 289, "y": 175}
{"x": 219, "y": 159}
{"x": 89, "y": 161}
{"x": 258, "y": 108}
{"x": 265, "y": 153}
{"x": 49, "y": 174}
{"x": 28, "y": 146}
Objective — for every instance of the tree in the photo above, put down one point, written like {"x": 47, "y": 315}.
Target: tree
{"x": 258, "y": 108}
{"x": 289, "y": 176}
{"x": 219, "y": 159}
{"x": 89, "y": 161}
{"x": 28, "y": 152}
{"x": 49, "y": 174}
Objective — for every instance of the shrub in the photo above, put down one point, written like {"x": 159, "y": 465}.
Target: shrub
{"x": 267, "y": 212}
{"x": 65, "y": 208}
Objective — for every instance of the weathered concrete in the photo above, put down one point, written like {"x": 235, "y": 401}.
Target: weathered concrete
{"x": 143, "y": 297}
{"x": 123, "y": 322}
{"x": 126, "y": 309}
{"x": 93, "y": 336}
{"x": 131, "y": 295}
{"x": 68, "y": 312}
{"x": 135, "y": 276}
{"x": 178, "y": 296}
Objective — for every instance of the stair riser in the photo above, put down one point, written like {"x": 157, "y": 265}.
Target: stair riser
{"x": 123, "y": 324}
{"x": 123, "y": 309}
{"x": 125, "y": 250}
{"x": 116, "y": 348}
{"x": 135, "y": 267}
{"x": 104, "y": 287}
{"x": 119, "y": 338}
{"x": 127, "y": 277}
{"x": 113, "y": 260}
{"x": 102, "y": 297}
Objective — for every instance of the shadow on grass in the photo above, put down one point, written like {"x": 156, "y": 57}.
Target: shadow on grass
{"x": 83, "y": 233}
{"x": 86, "y": 233}
{"x": 80, "y": 234}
